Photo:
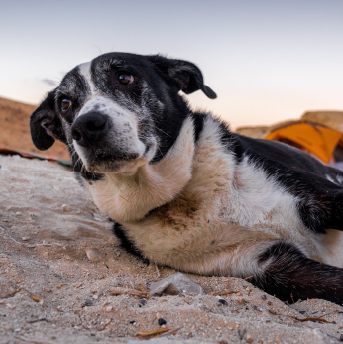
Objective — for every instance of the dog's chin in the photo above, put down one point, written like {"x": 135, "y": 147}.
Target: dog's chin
{"x": 116, "y": 166}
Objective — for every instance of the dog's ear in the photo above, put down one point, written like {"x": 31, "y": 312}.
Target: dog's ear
{"x": 45, "y": 125}
{"x": 186, "y": 75}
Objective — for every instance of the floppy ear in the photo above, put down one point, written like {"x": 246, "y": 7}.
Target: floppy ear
{"x": 45, "y": 125}
{"x": 187, "y": 76}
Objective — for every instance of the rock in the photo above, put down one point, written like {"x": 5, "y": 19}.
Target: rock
{"x": 87, "y": 303}
{"x": 175, "y": 284}
{"x": 161, "y": 321}
{"x": 93, "y": 256}
{"x": 257, "y": 132}
{"x": 223, "y": 302}
{"x": 249, "y": 338}
{"x": 108, "y": 309}
{"x": 142, "y": 302}
{"x": 65, "y": 208}
{"x": 332, "y": 119}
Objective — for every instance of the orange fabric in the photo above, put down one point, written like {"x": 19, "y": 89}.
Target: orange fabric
{"x": 311, "y": 136}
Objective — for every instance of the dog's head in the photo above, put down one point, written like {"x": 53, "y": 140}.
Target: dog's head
{"x": 118, "y": 111}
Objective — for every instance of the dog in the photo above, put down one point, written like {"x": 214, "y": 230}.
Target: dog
{"x": 186, "y": 192}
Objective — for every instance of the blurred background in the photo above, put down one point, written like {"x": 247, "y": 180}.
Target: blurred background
{"x": 267, "y": 60}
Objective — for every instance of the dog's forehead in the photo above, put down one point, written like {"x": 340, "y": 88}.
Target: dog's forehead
{"x": 85, "y": 79}
{"x": 84, "y": 70}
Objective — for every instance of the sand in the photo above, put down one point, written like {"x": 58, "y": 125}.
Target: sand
{"x": 15, "y": 131}
{"x": 59, "y": 260}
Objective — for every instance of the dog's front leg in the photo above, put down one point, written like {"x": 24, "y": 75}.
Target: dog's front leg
{"x": 290, "y": 275}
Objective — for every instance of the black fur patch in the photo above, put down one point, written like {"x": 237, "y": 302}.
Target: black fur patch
{"x": 291, "y": 276}
{"x": 125, "y": 242}
{"x": 198, "y": 120}
{"x": 319, "y": 201}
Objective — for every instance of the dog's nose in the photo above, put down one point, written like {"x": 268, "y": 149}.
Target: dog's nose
{"x": 88, "y": 128}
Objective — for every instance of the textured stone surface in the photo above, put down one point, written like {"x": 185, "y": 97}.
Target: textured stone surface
{"x": 174, "y": 285}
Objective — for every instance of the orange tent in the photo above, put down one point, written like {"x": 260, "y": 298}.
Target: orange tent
{"x": 317, "y": 140}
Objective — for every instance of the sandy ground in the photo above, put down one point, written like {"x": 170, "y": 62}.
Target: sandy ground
{"x": 59, "y": 260}
{"x": 15, "y": 130}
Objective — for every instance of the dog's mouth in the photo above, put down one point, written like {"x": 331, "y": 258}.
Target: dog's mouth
{"x": 110, "y": 163}
{"x": 103, "y": 162}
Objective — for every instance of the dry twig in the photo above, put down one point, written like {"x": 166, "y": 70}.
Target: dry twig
{"x": 152, "y": 332}
{"x": 304, "y": 319}
{"x": 312, "y": 319}
{"x": 131, "y": 292}
{"x": 11, "y": 293}
{"x": 226, "y": 293}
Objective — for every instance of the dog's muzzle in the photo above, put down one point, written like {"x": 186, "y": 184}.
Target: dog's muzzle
{"x": 99, "y": 144}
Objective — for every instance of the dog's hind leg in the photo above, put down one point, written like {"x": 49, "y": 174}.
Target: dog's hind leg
{"x": 290, "y": 275}
{"x": 320, "y": 202}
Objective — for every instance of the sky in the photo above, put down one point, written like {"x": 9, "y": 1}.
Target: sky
{"x": 267, "y": 60}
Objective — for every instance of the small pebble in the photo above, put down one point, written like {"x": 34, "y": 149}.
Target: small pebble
{"x": 143, "y": 302}
{"x": 249, "y": 338}
{"x": 161, "y": 321}
{"x": 25, "y": 238}
{"x": 10, "y": 306}
{"x": 92, "y": 255}
{"x": 95, "y": 297}
{"x": 223, "y": 302}
{"x": 108, "y": 309}
{"x": 87, "y": 303}
{"x": 18, "y": 213}
{"x": 65, "y": 208}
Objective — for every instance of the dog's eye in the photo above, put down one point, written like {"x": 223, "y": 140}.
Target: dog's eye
{"x": 65, "y": 105}
{"x": 126, "y": 79}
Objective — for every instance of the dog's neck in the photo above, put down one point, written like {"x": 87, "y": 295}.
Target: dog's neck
{"x": 128, "y": 198}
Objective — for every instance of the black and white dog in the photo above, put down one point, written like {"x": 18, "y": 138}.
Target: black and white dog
{"x": 184, "y": 190}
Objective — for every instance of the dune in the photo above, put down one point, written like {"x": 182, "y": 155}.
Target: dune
{"x": 15, "y": 131}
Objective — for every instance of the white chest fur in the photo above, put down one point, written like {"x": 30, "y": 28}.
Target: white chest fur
{"x": 215, "y": 216}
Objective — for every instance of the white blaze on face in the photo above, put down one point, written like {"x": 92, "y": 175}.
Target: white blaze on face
{"x": 85, "y": 71}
